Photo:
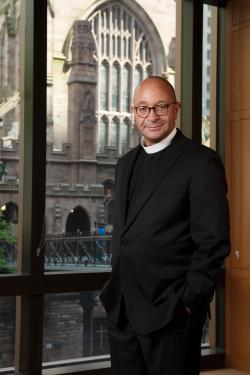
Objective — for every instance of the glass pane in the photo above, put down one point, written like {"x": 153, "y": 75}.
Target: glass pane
{"x": 115, "y": 88}
{"x": 209, "y": 64}
{"x": 10, "y": 29}
{"x": 103, "y": 136}
{"x": 126, "y": 89}
{"x": 113, "y": 133}
{"x": 137, "y": 76}
{"x": 104, "y": 87}
{"x": 74, "y": 327}
{"x": 7, "y": 331}
{"x": 125, "y": 136}
{"x": 87, "y": 88}
{"x": 209, "y": 75}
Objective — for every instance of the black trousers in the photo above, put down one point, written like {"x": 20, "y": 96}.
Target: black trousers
{"x": 172, "y": 350}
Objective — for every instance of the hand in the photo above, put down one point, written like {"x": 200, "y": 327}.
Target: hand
{"x": 188, "y": 310}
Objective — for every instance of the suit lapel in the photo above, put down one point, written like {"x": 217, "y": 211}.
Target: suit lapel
{"x": 155, "y": 176}
{"x": 124, "y": 186}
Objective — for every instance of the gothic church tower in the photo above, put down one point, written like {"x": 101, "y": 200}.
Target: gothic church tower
{"x": 82, "y": 87}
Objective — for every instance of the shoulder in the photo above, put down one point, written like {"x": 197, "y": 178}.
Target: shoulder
{"x": 201, "y": 161}
{"x": 196, "y": 152}
{"x": 125, "y": 159}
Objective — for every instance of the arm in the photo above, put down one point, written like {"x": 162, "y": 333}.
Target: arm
{"x": 209, "y": 225}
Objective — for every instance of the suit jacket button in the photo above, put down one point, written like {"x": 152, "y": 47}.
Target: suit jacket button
{"x": 124, "y": 242}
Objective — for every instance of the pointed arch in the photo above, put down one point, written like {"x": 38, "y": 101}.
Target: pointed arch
{"x": 78, "y": 221}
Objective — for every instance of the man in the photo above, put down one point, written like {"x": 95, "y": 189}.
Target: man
{"x": 171, "y": 234}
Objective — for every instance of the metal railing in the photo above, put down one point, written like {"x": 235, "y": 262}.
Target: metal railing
{"x": 84, "y": 250}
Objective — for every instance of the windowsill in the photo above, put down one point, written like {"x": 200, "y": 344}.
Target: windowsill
{"x": 211, "y": 359}
{"x": 97, "y": 367}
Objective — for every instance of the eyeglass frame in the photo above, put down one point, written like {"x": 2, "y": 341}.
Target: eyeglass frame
{"x": 153, "y": 107}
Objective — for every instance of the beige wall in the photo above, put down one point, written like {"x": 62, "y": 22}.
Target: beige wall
{"x": 238, "y": 167}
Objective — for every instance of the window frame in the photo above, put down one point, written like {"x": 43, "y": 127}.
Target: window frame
{"x": 31, "y": 282}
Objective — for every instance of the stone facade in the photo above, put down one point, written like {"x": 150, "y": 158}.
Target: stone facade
{"x": 78, "y": 173}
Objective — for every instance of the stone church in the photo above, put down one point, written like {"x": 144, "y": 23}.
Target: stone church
{"x": 97, "y": 53}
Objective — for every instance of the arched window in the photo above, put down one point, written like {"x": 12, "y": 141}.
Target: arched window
{"x": 137, "y": 75}
{"x": 102, "y": 44}
{"x": 103, "y": 135}
{"x": 78, "y": 221}
{"x": 125, "y": 136}
{"x": 113, "y": 45}
{"x": 113, "y": 140}
{"x": 126, "y": 83}
{"x": 115, "y": 86}
{"x": 129, "y": 57}
{"x": 104, "y": 86}
{"x": 106, "y": 45}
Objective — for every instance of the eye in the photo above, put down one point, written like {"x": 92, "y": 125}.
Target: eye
{"x": 162, "y": 106}
{"x": 142, "y": 109}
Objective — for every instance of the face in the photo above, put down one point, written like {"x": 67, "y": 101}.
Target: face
{"x": 155, "y": 128}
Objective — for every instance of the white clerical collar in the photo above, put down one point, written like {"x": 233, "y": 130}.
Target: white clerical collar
{"x": 160, "y": 145}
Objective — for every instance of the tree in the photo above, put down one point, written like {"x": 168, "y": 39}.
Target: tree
{"x": 6, "y": 238}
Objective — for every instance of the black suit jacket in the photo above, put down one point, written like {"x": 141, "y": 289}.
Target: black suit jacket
{"x": 169, "y": 251}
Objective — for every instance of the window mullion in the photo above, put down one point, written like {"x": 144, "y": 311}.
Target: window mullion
{"x": 29, "y": 321}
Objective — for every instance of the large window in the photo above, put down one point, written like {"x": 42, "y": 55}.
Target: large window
{"x": 56, "y": 203}
{"x": 92, "y": 70}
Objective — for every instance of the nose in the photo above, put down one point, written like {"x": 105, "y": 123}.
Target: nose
{"x": 152, "y": 116}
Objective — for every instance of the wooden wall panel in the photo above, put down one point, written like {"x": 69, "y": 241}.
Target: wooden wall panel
{"x": 238, "y": 170}
{"x": 240, "y": 63}
{"x": 240, "y": 11}
{"x": 240, "y": 193}
{"x": 241, "y": 318}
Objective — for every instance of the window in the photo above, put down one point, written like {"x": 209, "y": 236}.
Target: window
{"x": 121, "y": 53}
{"x": 137, "y": 76}
{"x": 126, "y": 84}
{"x": 209, "y": 75}
{"x": 114, "y": 132}
{"x": 115, "y": 85}
{"x": 10, "y": 46}
{"x": 129, "y": 56}
{"x": 125, "y": 135}
{"x": 104, "y": 86}
{"x": 103, "y": 137}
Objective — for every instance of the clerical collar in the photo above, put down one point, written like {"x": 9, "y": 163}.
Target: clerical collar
{"x": 160, "y": 145}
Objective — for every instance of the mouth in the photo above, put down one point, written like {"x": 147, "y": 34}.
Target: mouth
{"x": 154, "y": 127}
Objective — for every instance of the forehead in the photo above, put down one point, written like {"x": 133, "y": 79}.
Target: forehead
{"x": 153, "y": 91}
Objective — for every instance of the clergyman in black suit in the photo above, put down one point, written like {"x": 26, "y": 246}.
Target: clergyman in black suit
{"x": 171, "y": 234}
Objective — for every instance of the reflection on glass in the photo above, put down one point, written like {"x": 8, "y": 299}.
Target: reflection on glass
{"x": 7, "y": 331}
{"x": 74, "y": 327}
{"x": 9, "y": 131}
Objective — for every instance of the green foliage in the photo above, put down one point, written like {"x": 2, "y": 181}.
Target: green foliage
{"x": 5, "y": 236}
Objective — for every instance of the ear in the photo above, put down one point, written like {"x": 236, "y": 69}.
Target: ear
{"x": 177, "y": 108}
